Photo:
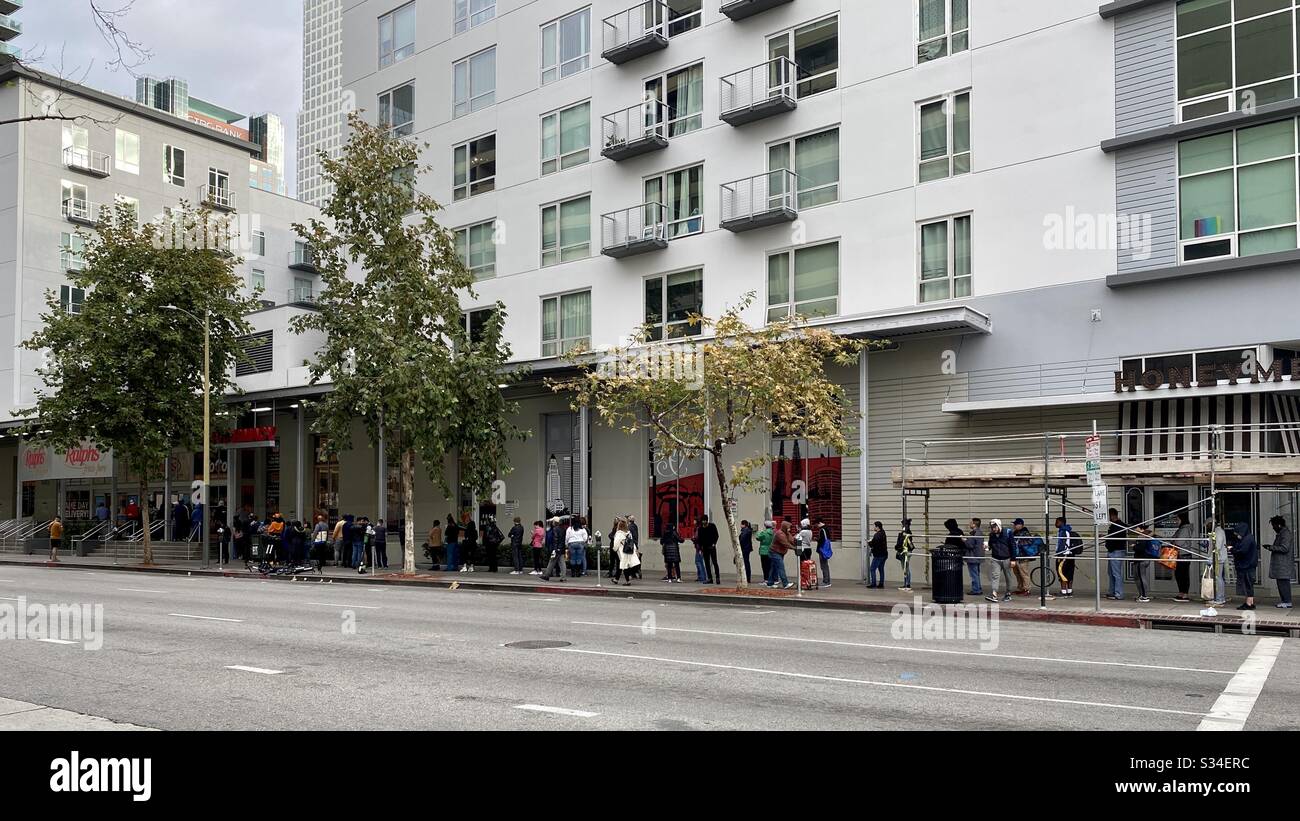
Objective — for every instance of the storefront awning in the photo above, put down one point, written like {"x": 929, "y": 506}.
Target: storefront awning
{"x": 953, "y": 320}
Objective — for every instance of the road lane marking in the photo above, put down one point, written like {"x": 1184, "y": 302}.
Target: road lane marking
{"x": 204, "y": 618}
{"x": 9, "y": 598}
{"x": 756, "y": 612}
{"x": 913, "y": 649}
{"x": 56, "y": 641}
{"x": 890, "y": 684}
{"x": 559, "y": 711}
{"x": 261, "y": 670}
{"x": 1234, "y": 707}
{"x": 545, "y": 600}
{"x": 345, "y": 606}
{"x": 142, "y": 590}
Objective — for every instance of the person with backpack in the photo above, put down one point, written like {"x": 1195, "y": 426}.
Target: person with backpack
{"x": 1002, "y": 560}
{"x": 1028, "y": 546}
{"x": 672, "y": 548}
{"x": 974, "y": 552}
{"x": 517, "y": 547}
{"x": 879, "y": 546}
{"x": 493, "y": 538}
{"x": 903, "y": 548}
{"x": 825, "y": 549}
{"x": 1068, "y": 546}
{"x": 625, "y": 548}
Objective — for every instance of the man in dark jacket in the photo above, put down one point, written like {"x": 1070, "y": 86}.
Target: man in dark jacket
{"x": 517, "y": 547}
{"x": 746, "y": 545}
{"x": 1002, "y": 558}
{"x": 1245, "y": 555}
{"x": 492, "y": 539}
{"x": 381, "y": 543}
{"x": 1281, "y": 564}
{"x": 707, "y": 540}
{"x": 451, "y": 535}
{"x": 975, "y": 555}
{"x": 468, "y": 542}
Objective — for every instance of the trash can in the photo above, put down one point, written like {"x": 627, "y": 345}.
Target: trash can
{"x": 945, "y": 566}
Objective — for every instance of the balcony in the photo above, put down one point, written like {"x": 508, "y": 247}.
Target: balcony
{"x": 635, "y": 131}
{"x": 9, "y": 27}
{"x": 303, "y": 259}
{"x": 740, "y": 9}
{"x": 82, "y": 212}
{"x": 636, "y": 230}
{"x": 762, "y": 91}
{"x": 217, "y": 197}
{"x": 757, "y": 202}
{"x": 87, "y": 162}
{"x": 636, "y": 32}
{"x": 9, "y": 53}
{"x": 302, "y": 296}
{"x": 10, "y": 6}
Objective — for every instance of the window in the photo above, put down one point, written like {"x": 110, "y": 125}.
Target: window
{"x": 943, "y": 28}
{"x": 72, "y": 249}
{"x": 476, "y": 245}
{"x": 471, "y": 13}
{"x": 815, "y": 49}
{"x": 816, "y": 162}
{"x": 76, "y": 146}
{"x": 566, "y": 231}
{"x": 944, "y": 148}
{"x": 132, "y": 204}
{"x": 128, "y": 152}
{"x": 475, "y": 82}
{"x": 476, "y": 322}
{"x": 397, "y": 110}
{"x": 946, "y": 259}
{"x": 174, "y": 165}
{"x": 566, "y": 138}
{"x": 474, "y": 167}
{"x": 1234, "y": 54}
{"x": 76, "y": 203}
{"x": 257, "y": 280}
{"x": 566, "y": 323}
{"x": 682, "y": 192}
{"x": 259, "y": 243}
{"x": 1237, "y": 192}
{"x": 566, "y": 46}
{"x": 304, "y": 289}
{"x": 682, "y": 91}
{"x": 683, "y": 15}
{"x": 71, "y": 299}
{"x": 670, "y": 302}
{"x": 397, "y": 35}
{"x": 804, "y": 281}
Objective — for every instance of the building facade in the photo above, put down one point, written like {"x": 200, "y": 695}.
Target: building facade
{"x": 320, "y": 123}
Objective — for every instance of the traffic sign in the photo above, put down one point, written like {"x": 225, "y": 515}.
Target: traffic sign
{"x": 1099, "y": 507}
{"x": 1092, "y": 455}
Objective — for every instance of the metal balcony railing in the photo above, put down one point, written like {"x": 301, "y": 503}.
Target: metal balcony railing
{"x": 637, "y": 130}
{"x": 217, "y": 197}
{"x": 634, "y": 230}
{"x": 302, "y": 296}
{"x": 10, "y": 27}
{"x": 302, "y": 259}
{"x": 760, "y": 91}
{"x": 70, "y": 260}
{"x": 91, "y": 162}
{"x": 765, "y": 199}
{"x": 82, "y": 211}
{"x": 635, "y": 32}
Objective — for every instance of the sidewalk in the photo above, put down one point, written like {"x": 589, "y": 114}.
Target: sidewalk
{"x": 852, "y": 596}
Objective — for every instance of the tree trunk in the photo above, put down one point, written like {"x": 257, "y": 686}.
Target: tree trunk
{"x": 408, "y": 507}
{"x": 737, "y": 556}
{"x": 145, "y": 541}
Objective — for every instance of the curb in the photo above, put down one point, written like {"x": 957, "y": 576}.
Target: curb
{"x": 1127, "y": 620}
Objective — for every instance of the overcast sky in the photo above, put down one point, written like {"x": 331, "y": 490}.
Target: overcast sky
{"x": 245, "y": 55}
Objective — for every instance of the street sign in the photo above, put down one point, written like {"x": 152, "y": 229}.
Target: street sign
{"x": 1092, "y": 456}
{"x": 1099, "y": 507}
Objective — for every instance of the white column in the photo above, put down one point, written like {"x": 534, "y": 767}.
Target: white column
{"x": 300, "y": 495}
{"x": 584, "y": 466}
{"x": 864, "y": 464}
{"x": 382, "y": 507}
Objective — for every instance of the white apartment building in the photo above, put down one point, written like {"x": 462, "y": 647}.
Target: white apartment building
{"x": 321, "y": 120}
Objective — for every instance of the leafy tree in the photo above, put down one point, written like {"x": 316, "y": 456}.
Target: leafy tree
{"x": 126, "y": 371}
{"x": 397, "y": 348}
{"x": 702, "y": 395}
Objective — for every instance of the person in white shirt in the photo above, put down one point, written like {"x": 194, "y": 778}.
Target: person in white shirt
{"x": 625, "y": 549}
{"x": 1220, "y": 547}
{"x": 575, "y": 538}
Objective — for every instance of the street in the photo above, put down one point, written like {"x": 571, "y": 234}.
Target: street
{"x": 184, "y": 652}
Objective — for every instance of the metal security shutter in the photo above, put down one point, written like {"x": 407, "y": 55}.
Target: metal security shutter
{"x": 257, "y": 354}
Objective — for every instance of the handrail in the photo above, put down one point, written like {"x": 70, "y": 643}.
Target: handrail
{"x": 774, "y": 78}
{"x": 83, "y": 158}
{"x": 645, "y": 19}
{"x": 628, "y": 225}
{"x": 646, "y": 119}
{"x": 760, "y": 194}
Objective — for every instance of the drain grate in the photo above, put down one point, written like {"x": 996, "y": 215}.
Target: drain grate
{"x": 538, "y": 645}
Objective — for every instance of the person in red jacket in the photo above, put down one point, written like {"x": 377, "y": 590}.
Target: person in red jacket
{"x": 782, "y": 544}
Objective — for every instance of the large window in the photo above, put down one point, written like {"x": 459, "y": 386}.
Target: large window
{"x": 471, "y": 13}
{"x": 257, "y": 280}
{"x": 474, "y": 167}
{"x": 566, "y": 46}
{"x": 670, "y": 302}
{"x": 566, "y": 138}
{"x": 804, "y": 281}
{"x": 397, "y": 35}
{"x": 475, "y": 82}
{"x": 566, "y": 231}
{"x": 397, "y": 110}
{"x": 1237, "y": 192}
{"x": 945, "y": 259}
{"x": 259, "y": 243}
{"x": 682, "y": 91}
{"x": 174, "y": 165}
{"x": 683, "y": 15}
{"x": 476, "y": 322}
{"x": 71, "y": 298}
{"x": 476, "y": 245}
{"x": 566, "y": 323}
{"x": 815, "y": 49}
{"x": 944, "y": 138}
{"x": 682, "y": 192}
{"x": 128, "y": 152}
{"x": 75, "y": 201}
{"x": 1234, "y": 54}
{"x": 943, "y": 28}
{"x": 72, "y": 250}
{"x": 815, "y": 160}
{"x": 76, "y": 145}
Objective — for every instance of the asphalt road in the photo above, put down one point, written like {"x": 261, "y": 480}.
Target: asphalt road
{"x": 198, "y": 653}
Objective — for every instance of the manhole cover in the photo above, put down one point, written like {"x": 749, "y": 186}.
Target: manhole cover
{"x": 538, "y": 645}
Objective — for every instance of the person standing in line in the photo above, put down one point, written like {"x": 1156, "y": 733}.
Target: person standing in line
{"x": 1220, "y": 556}
{"x": 633, "y": 529}
{"x": 320, "y": 535}
{"x": 1002, "y": 559}
{"x": 451, "y": 536}
{"x": 56, "y": 537}
{"x": 879, "y": 545}
{"x": 625, "y": 548}
{"x": 381, "y": 544}
{"x": 765, "y": 537}
{"x": 903, "y": 552}
{"x": 672, "y": 547}
{"x": 468, "y": 542}
{"x": 782, "y": 544}
{"x": 493, "y": 538}
{"x": 974, "y": 550}
{"x": 1245, "y": 555}
{"x": 223, "y": 539}
{"x": 1281, "y": 562}
{"x": 517, "y": 547}
{"x": 1182, "y": 539}
{"x": 1146, "y": 551}
{"x": 555, "y": 546}
{"x": 435, "y": 544}
{"x": 1024, "y": 541}
{"x": 101, "y": 511}
{"x": 338, "y": 538}
{"x": 613, "y": 565}
{"x": 1116, "y": 554}
{"x": 1068, "y": 546}
{"x": 746, "y": 546}
{"x": 538, "y": 540}
{"x": 575, "y": 541}
{"x": 707, "y": 539}
{"x": 825, "y": 550}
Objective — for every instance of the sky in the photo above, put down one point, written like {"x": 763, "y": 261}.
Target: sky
{"x": 245, "y": 55}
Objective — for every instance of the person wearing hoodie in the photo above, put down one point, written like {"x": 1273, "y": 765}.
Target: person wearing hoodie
{"x": 1002, "y": 558}
{"x": 903, "y": 552}
{"x": 706, "y": 540}
{"x": 1182, "y": 539}
{"x": 517, "y": 546}
{"x": 1245, "y": 555}
{"x": 746, "y": 546}
{"x": 468, "y": 542}
{"x": 1068, "y": 546}
{"x": 879, "y": 545}
{"x": 765, "y": 537}
{"x": 974, "y": 550}
{"x": 1281, "y": 562}
{"x": 825, "y": 549}
{"x": 1219, "y": 545}
{"x": 672, "y": 547}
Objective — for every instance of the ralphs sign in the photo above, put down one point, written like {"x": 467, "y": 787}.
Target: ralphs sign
{"x": 86, "y": 461}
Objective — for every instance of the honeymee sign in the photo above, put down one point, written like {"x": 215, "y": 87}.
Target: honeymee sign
{"x": 86, "y": 461}
{"x": 1206, "y": 376}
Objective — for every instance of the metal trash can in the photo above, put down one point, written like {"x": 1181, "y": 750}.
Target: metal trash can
{"x": 945, "y": 565}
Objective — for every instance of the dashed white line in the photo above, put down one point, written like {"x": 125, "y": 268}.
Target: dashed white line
{"x": 204, "y": 618}
{"x": 1233, "y": 708}
{"x": 261, "y": 670}
{"x": 345, "y": 606}
{"x": 142, "y": 590}
{"x": 559, "y": 711}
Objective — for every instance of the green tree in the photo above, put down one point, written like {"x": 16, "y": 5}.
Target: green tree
{"x": 126, "y": 371}
{"x": 396, "y": 347}
{"x": 704, "y": 394}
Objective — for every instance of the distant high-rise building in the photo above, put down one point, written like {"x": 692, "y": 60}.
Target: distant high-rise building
{"x": 171, "y": 95}
{"x": 9, "y": 29}
{"x": 268, "y": 131}
{"x": 320, "y": 123}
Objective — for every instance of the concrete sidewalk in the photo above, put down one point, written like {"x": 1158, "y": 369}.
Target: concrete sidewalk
{"x": 851, "y": 595}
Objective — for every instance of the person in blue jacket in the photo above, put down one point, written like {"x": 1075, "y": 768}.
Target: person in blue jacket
{"x": 1068, "y": 546}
